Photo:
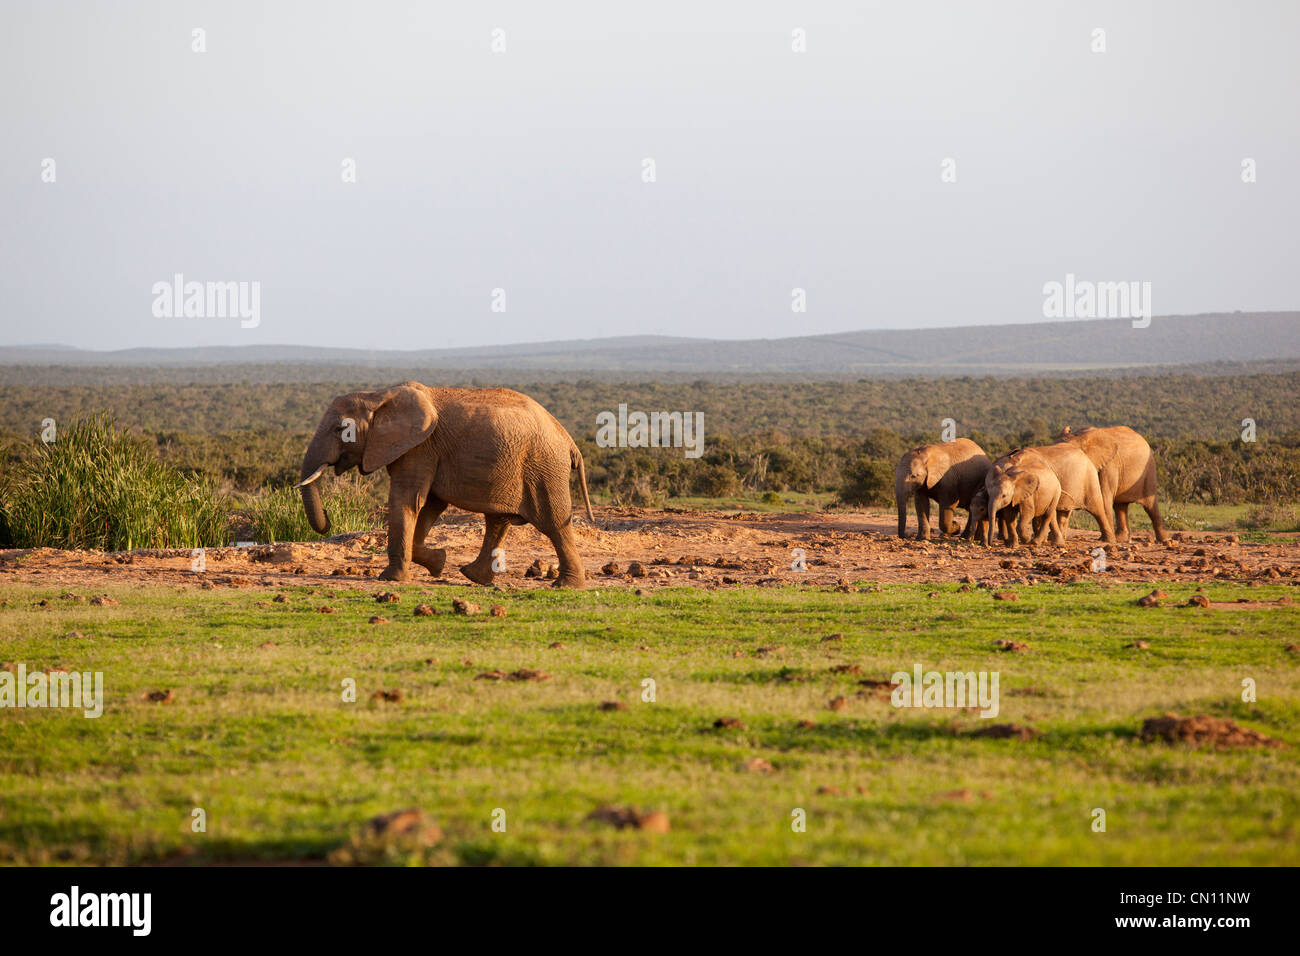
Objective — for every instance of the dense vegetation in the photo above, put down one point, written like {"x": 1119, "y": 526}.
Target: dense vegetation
{"x": 245, "y": 441}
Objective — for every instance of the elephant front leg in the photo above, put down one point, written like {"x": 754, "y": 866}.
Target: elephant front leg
{"x": 922, "y": 503}
{"x": 480, "y": 570}
{"x": 1121, "y": 521}
{"x": 401, "y": 528}
{"x": 948, "y": 518}
{"x": 431, "y": 559}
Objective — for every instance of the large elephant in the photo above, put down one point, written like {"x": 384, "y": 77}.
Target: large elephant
{"x": 1127, "y": 472}
{"x": 947, "y": 473}
{"x": 1080, "y": 487}
{"x": 1022, "y": 482}
{"x": 489, "y": 450}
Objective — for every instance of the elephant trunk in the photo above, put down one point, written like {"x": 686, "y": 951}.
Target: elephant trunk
{"x": 314, "y": 464}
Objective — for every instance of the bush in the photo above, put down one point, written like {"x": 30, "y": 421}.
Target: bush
{"x": 869, "y": 481}
{"x": 99, "y": 487}
{"x": 278, "y": 515}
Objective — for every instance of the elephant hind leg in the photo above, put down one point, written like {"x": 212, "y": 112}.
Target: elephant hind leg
{"x": 431, "y": 559}
{"x": 572, "y": 574}
{"x": 481, "y": 570}
{"x": 1121, "y": 521}
{"x": 1158, "y": 525}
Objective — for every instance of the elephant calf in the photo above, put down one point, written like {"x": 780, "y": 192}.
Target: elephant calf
{"x": 948, "y": 474}
{"x": 489, "y": 450}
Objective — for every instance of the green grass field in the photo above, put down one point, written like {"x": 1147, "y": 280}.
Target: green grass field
{"x": 261, "y": 739}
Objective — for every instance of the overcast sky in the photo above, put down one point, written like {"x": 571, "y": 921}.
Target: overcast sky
{"x": 523, "y": 170}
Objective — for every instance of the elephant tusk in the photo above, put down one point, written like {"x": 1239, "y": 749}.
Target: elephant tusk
{"x": 314, "y": 475}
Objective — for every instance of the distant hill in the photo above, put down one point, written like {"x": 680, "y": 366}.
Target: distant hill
{"x": 1204, "y": 343}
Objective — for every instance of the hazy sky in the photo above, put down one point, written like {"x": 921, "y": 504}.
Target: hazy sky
{"x": 523, "y": 169}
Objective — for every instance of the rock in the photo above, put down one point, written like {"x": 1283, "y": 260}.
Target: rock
{"x": 497, "y": 610}
{"x": 837, "y": 703}
{"x": 393, "y": 696}
{"x": 1006, "y": 732}
{"x": 1202, "y": 730}
{"x": 277, "y": 554}
{"x": 383, "y": 620}
{"x": 1006, "y": 596}
{"x": 636, "y": 570}
{"x": 611, "y": 568}
{"x": 408, "y": 825}
{"x": 104, "y": 600}
{"x": 613, "y": 705}
{"x": 1006, "y": 645}
{"x": 424, "y": 610}
{"x": 729, "y": 723}
{"x": 829, "y": 638}
{"x": 387, "y": 597}
{"x": 464, "y": 607}
{"x": 1198, "y": 600}
{"x": 556, "y": 646}
{"x": 279, "y": 599}
{"x": 159, "y": 697}
{"x": 527, "y": 674}
{"x": 1151, "y": 600}
{"x": 830, "y": 791}
{"x": 654, "y": 821}
{"x": 535, "y": 570}
{"x": 325, "y": 610}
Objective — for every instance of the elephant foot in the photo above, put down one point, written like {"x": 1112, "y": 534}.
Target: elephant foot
{"x": 433, "y": 560}
{"x": 478, "y": 573}
{"x": 576, "y": 580}
{"x": 395, "y": 573}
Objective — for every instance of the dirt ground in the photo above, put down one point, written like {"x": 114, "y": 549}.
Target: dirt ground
{"x": 645, "y": 548}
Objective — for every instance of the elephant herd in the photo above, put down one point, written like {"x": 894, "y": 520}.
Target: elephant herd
{"x": 1029, "y": 494}
{"x": 499, "y": 453}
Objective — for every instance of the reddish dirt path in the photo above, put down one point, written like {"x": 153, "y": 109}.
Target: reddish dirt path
{"x": 707, "y": 549}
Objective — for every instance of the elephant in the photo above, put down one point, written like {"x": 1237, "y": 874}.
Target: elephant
{"x": 1079, "y": 484}
{"x": 947, "y": 473}
{"x": 489, "y": 450}
{"x": 1023, "y": 484}
{"x": 977, "y": 524}
{"x": 1127, "y": 472}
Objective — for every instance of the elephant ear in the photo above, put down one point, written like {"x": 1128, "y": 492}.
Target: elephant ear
{"x": 1031, "y": 485}
{"x": 933, "y": 473}
{"x": 403, "y": 417}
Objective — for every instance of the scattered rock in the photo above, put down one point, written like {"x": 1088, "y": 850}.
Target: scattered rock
{"x": 636, "y": 570}
{"x": 729, "y": 723}
{"x": 1201, "y": 730}
{"x": 383, "y": 620}
{"x": 535, "y": 570}
{"x": 464, "y": 607}
{"x": 831, "y": 637}
{"x": 393, "y": 696}
{"x": 387, "y": 597}
{"x": 556, "y": 646}
{"x": 846, "y": 669}
{"x": 279, "y": 599}
{"x": 1013, "y": 646}
{"x": 103, "y": 600}
{"x": 1198, "y": 600}
{"x": 325, "y": 610}
{"x": 613, "y": 705}
{"x": 159, "y": 696}
{"x": 769, "y": 649}
{"x": 527, "y": 674}
{"x": 1006, "y": 596}
{"x": 1153, "y": 599}
{"x": 74, "y": 636}
{"x": 266, "y": 646}
{"x": 497, "y": 610}
{"x": 424, "y": 610}
{"x": 1006, "y": 732}
{"x": 611, "y": 568}
{"x": 830, "y": 791}
{"x": 837, "y": 703}
{"x": 277, "y": 554}
{"x": 654, "y": 821}
{"x": 806, "y": 724}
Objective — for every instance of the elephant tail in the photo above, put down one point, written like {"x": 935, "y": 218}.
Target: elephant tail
{"x": 575, "y": 461}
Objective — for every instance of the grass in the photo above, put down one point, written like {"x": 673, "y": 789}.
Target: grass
{"x": 261, "y": 740}
{"x": 95, "y": 486}
{"x": 278, "y": 515}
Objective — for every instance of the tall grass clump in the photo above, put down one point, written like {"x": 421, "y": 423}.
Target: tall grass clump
{"x": 278, "y": 515}
{"x": 99, "y": 487}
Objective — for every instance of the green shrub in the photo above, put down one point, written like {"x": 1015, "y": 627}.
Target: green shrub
{"x": 278, "y": 515}
{"x": 869, "y": 481}
{"x": 96, "y": 486}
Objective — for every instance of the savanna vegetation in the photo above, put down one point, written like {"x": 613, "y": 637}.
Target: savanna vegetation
{"x": 243, "y": 443}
